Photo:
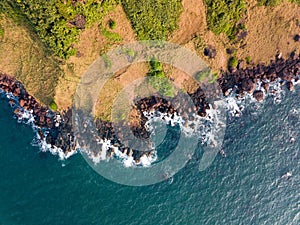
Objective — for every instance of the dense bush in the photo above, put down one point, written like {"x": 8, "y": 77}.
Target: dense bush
{"x": 158, "y": 79}
{"x": 223, "y": 16}
{"x": 153, "y": 19}
{"x": 55, "y": 20}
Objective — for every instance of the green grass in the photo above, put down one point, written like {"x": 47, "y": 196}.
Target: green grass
{"x": 223, "y": 16}
{"x": 52, "y": 20}
{"x": 153, "y": 19}
{"x": 158, "y": 79}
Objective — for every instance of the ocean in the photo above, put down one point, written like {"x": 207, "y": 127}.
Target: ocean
{"x": 257, "y": 183}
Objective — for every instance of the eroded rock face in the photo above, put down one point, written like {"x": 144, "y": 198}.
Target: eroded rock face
{"x": 258, "y": 95}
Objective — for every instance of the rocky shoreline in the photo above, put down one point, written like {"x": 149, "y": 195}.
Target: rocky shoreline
{"x": 54, "y": 129}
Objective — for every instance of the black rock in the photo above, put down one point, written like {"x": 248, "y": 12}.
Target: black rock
{"x": 210, "y": 52}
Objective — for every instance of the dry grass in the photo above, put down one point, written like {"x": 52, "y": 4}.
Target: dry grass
{"x": 24, "y": 57}
{"x": 270, "y": 30}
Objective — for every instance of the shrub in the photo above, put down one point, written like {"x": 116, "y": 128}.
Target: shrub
{"x": 1, "y": 31}
{"x": 248, "y": 59}
{"x": 233, "y": 62}
{"x": 53, "y": 106}
{"x": 112, "y": 24}
{"x": 158, "y": 79}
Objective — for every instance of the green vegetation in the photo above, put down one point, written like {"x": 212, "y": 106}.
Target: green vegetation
{"x": 106, "y": 60}
{"x": 53, "y": 106}
{"x": 213, "y": 78}
{"x": 275, "y": 2}
{"x": 296, "y": 1}
{"x": 111, "y": 36}
{"x": 153, "y": 19}
{"x": 203, "y": 74}
{"x": 269, "y": 2}
{"x": 112, "y": 24}
{"x": 223, "y": 16}
{"x": 248, "y": 59}
{"x": 158, "y": 79}
{"x": 58, "y": 22}
{"x": 1, "y": 31}
{"x": 233, "y": 62}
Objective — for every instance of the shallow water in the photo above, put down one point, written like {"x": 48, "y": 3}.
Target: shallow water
{"x": 246, "y": 187}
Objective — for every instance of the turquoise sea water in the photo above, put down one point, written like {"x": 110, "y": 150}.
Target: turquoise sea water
{"x": 246, "y": 187}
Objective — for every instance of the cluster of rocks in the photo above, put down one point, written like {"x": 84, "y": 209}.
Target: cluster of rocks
{"x": 246, "y": 80}
{"x": 58, "y": 125}
{"x": 25, "y": 101}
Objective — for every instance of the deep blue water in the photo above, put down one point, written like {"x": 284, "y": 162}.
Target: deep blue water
{"x": 246, "y": 187}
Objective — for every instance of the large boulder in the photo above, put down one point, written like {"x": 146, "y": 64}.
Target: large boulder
{"x": 258, "y": 95}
